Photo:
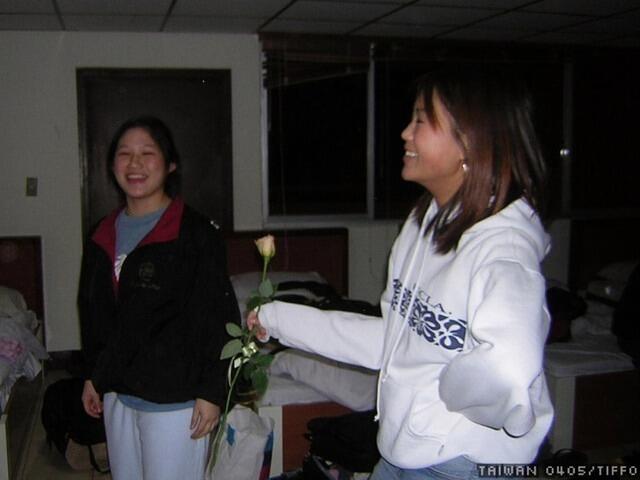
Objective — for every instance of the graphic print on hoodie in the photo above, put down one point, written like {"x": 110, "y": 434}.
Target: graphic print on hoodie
{"x": 430, "y": 321}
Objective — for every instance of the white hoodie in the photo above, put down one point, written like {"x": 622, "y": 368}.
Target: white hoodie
{"x": 459, "y": 347}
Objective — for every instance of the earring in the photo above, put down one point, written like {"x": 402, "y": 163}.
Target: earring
{"x": 465, "y": 167}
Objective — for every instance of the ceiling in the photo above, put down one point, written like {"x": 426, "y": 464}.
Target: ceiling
{"x": 614, "y": 23}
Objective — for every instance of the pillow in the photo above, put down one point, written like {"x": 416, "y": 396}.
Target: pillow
{"x": 244, "y": 284}
{"x": 609, "y": 282}
{"x": 11, "y": 301}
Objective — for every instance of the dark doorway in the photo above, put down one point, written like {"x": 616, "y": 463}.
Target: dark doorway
{"x": 195, "y": 104}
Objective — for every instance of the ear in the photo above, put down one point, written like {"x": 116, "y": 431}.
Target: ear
{"x": 465, "y": 144}
{"x": 172, "y": 167}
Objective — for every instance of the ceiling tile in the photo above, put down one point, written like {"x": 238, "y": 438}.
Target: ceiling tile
{"x": 529, "y": 22}
{"x": 490, "y": 4}
{"x": 331, "y": 11}
{"x": 296, "y": 26}
{"x": 230, "y": 8}
{"x": 113, "y": 23}
{"x": 400, "y": 30}
{"x": 551, "y": 21}
{"x": 583, "y": 7}
{"x": 482, "y": 35}
{"x": 565, "y": 37}
{"x": 389, "y": 3}
{"x": 29, "y": 22}
{"x": 114, "y": 7}
{"x": 208, "y": 23}
{"x": 626, "y": 24}
{"x": 26, "y": 6}
{"x": 426, "y": 15}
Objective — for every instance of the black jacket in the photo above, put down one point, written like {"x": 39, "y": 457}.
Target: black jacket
{"x": 157, "y": 333}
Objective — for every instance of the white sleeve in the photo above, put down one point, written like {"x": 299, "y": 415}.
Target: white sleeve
{"x": 352, "y": 338}
{"x": 496, "y": 383}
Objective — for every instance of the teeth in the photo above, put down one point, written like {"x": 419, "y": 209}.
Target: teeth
{"x": 410, "y": 154}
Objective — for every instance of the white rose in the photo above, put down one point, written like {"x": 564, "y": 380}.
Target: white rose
{"x": 266, "y": 246}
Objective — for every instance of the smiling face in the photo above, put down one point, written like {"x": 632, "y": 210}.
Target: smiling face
{"x": 140, "y": 169}
{"x": 433, "y": 157}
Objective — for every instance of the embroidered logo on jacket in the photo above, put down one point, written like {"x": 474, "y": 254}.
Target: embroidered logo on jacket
{"x": 430, "y": 321}
{"x": 146, "y": 274}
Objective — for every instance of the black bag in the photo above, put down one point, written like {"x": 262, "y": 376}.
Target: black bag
{"x": 76, "y": 435}
{"x": 564, "y": 307}
{"x": 626, "y": 317}
{"x": 325, "y": 298}
{"x": 348, "y": 440}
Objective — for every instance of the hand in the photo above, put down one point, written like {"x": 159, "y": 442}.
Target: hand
{"x": 91, "y": 400}
{"x": 206, "y": 416}
{"x": 253, "y": 324}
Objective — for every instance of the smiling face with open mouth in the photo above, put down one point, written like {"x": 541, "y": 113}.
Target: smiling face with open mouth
{"x": 141, "y": 171}
{"x": 433, "y": 157}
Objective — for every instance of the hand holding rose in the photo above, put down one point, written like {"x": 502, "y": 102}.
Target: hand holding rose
{"x": 253, "y": 324}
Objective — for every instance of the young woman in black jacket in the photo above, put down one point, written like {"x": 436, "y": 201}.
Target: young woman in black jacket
{"x": 153, "y": 301}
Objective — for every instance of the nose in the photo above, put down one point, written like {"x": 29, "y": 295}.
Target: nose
{"x": 135, "y": 159}
{"x": 407, "y": 133}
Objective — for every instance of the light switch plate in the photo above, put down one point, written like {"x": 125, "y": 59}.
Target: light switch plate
{"x": 32, "y": 186}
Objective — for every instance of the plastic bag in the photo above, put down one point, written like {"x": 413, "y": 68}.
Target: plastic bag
{"x": 246, "y": 447}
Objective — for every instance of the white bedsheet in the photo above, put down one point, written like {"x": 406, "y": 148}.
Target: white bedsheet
{"x": 300, "y": 377}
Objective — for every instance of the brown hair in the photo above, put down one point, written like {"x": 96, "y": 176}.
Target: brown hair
{"x": 492, "y": 121}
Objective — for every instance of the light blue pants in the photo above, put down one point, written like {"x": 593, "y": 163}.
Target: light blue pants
{"x": 457, "y": 469}
{"x": 152, "y": 445}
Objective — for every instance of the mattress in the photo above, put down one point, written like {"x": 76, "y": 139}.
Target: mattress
{"x": 593, "y": 348}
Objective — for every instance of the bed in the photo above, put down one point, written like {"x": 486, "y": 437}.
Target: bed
{"x": 594, "y": 385}
{"x": 301, "y": 386}
{"x": 21, "y": 348}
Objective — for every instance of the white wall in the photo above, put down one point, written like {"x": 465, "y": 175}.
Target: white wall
{"x": 39, "y": 138}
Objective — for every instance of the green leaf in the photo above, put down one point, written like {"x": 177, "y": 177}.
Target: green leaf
{"x": 262, "y": 360}
{"x": 231, "y": 348}
{"x": 254, "y": 302}
{"x": 233, "y": 329}
{"x": 248, "y": 370}
{"x": 260, "y": 381}
{"x": 266, "y": 288}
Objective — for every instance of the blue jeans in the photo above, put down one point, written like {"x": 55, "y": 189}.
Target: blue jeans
{"x": 456, "y": 469}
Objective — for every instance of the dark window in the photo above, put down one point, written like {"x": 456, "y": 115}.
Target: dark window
{"x": 605, "y": 166}
{"x": 318, "y": 146}
{"x": 319, "y": 105}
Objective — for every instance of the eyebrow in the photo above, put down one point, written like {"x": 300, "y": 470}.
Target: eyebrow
{"x": 152, "y": 145}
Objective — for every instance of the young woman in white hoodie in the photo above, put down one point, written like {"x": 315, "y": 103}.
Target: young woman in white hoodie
{"x": 464, "y": 322}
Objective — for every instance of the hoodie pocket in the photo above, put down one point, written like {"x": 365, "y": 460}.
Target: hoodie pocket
{"x": 429, "y": 417}
{"x": 414, "y": 424}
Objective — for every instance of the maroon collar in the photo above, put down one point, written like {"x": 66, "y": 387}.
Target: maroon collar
{"x": 167, "y": 228}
